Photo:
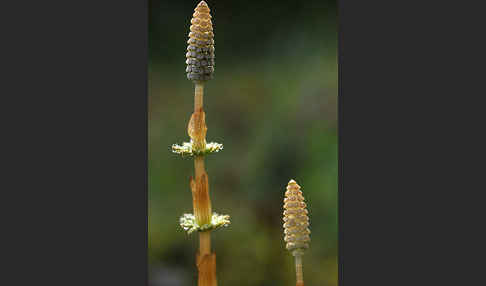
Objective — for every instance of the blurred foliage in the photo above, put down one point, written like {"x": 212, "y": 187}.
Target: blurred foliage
{"x": 273, "y": 104}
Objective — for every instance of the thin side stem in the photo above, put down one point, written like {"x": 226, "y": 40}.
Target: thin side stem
{"x": 298, "y": 270}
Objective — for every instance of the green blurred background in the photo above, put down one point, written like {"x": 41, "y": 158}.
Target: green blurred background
{"x": 273, "y": 104}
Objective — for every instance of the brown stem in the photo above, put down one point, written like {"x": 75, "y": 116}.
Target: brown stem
{"x": 199, "y": 166}
{"x": 204, "y": 243}
{"x": 205, "y": 260}
{"x": 200, "y": 193}
{"x": 206, "y": 265}
{"x": 298, "y": 270}
{"x": 198, "y": 96}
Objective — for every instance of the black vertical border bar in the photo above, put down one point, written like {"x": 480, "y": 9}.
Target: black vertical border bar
{"x": 76, "y": 90}
{"x": 340, "y": 142}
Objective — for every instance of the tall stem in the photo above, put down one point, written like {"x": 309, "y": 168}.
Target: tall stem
{"x": 206, "y": 261}
{"x": 199, "y": 166}
{"x": 204, "y": 237}
{"x": 204, "y": 243}
{"x": 198, "y": 96}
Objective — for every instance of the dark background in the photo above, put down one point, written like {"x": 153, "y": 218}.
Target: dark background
{"x": 273, "y": 104}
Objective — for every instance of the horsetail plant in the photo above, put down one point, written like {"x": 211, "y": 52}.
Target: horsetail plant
{"x": 296, "y": 223}
{"x": 200, "y": 68}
